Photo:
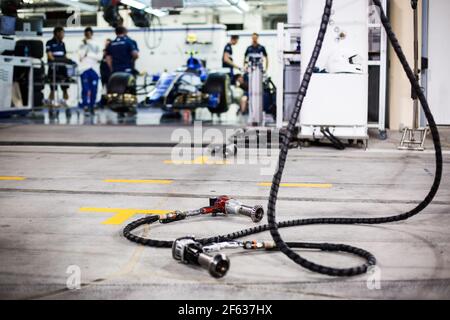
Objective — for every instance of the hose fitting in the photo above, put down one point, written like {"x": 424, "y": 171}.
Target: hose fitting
{"x": 172, "y": 217}
{"x": 257, "y": 245}
{"x": 256, "y": 213}
{"x": 189, "y": 251}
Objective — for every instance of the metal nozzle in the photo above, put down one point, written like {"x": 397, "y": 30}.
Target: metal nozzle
{"x": 217, "y": 266}
{"x": 188, "y": 251}
{"x": 256, "y": 213}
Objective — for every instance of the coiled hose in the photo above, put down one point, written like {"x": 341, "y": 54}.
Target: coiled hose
{"x": 273, "y": 226}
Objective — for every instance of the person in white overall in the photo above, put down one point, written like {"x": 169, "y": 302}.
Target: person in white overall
{"x": 90, "y": 57}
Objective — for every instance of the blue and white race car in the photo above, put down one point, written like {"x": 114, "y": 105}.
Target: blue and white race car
{"x": 190, "y": 88}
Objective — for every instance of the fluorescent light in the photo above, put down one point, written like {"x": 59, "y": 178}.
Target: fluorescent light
{"x": 156, "y": 12}
{"x": 134, "y": 3}
{"x": 243, "y": 5}
{"x": 238, "y": 10}
{"x": 80, "y": 5}
{"x": 144, "y": 5}
{"x": 239, "y": 6}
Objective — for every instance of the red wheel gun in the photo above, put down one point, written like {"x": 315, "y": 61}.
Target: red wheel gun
{"x": 221, "y": 205}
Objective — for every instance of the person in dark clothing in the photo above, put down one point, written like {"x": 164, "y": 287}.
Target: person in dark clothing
{"x": 122, "y": 52}
{"x": 227, "y": 59}
{"x": 105, "y": 71}
{"x": 56, "y": 52}
{"x": 256, "y": 48}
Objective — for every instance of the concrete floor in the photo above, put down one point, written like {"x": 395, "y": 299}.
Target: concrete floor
{"x": 63, "y": 213}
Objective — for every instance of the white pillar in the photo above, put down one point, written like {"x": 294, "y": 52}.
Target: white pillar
{"x": 294, "y": 11}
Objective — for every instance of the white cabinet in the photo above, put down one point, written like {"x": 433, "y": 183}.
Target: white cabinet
{"x": 438, "y": 88}
{"x": 338, "y": 101}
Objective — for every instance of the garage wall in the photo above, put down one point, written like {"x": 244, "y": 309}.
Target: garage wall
{"x": 438, "y": 88}
{"x": 400, "y": 102}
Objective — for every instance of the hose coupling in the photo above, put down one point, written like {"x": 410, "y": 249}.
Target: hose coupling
{"x": 256, "y": 213}
{"x": 172, "y": 217}
{"x": 259, "y": 245}
{"x": 215, "y": 247}
{"x": 189, "y": 251}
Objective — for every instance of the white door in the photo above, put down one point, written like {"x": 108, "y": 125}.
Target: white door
{"x": 439, "y": 60}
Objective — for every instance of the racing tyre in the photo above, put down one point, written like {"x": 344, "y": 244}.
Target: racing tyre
{"x": 121, "y": 82}
{"x": 218, "y": 83}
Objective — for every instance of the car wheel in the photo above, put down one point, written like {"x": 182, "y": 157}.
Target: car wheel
{"x": 219, "y": 84}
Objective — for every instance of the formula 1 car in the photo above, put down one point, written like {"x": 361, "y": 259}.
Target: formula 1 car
{"x": 190, "y": 88}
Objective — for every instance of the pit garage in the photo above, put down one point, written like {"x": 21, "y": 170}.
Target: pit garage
{"x": 226, "y": 149}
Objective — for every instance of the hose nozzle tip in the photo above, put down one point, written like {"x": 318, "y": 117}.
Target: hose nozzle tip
{"x": 217, "y": 266}
{"x": 257, "y": 214}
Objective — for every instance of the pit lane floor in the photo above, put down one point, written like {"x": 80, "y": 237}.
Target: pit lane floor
{"x": 64, "y": 208}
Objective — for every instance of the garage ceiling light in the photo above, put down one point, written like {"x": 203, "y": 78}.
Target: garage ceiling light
{"x": 77, "y": 4}
{"x": 134, "y": 3}
{"x": 156, "y": 12}
{"x": 243, "y": 5}
{"x": 239, "y": 5}
{"x": 144, "y": 5}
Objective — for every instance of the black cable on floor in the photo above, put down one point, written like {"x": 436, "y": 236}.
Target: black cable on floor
{"x": 273, "y": 226}
{"x": 335, "y": 141}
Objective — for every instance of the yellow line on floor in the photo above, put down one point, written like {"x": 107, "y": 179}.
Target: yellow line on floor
{"x": 299, "y": 185}
{"x": 122, "y": 214}
{"x": 139, "y": 181}
{"x": 12, "y": 178}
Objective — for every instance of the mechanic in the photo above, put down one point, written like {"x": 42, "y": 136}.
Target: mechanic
{"x": 90, "y": 56}
{"x": 122, "y": 52}
{"x": 135, "y": 72}
{"x": 227, "y": 59}
{"x": 257, "y": 48}
{"x": 56, "y": 53}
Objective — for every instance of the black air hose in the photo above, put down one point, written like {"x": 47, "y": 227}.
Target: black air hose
{"x": 273, "y": 226}
{"x": 284, "y": 151}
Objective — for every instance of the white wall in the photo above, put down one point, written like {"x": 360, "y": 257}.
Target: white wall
{"x": 439, "y": 62}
